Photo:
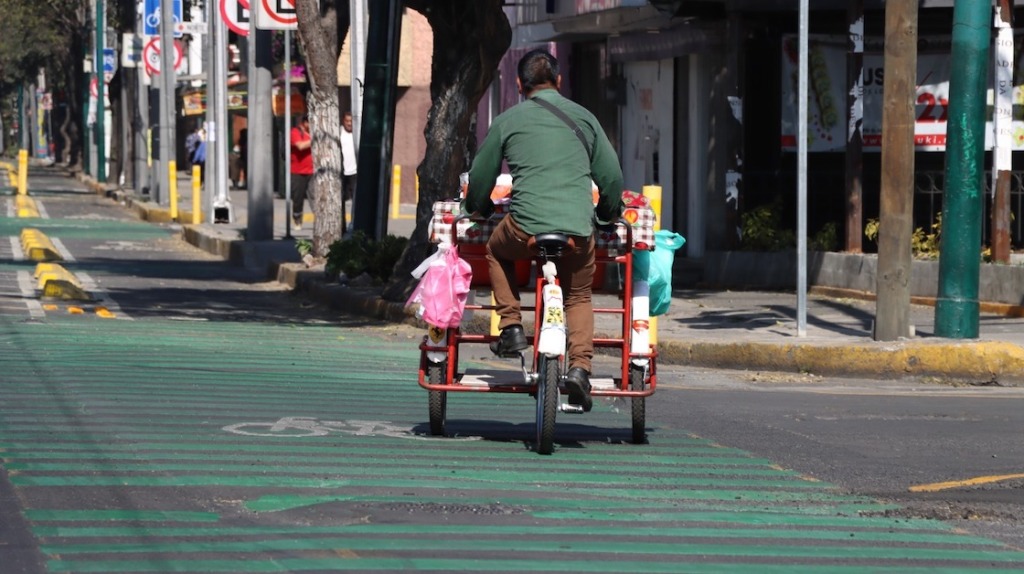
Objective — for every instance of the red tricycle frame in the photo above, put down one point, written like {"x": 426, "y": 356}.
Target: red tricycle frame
{"x": 637, "y": 375}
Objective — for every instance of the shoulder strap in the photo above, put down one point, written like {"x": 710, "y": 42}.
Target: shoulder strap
{"x": 568, "y": 121}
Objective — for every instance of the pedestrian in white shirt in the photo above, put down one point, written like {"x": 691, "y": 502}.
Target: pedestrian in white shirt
{"x": 348, "y": 158}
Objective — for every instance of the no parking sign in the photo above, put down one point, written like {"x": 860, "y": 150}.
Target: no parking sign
{"x": 235, "y": 14}
{"x": 151, "y": 56}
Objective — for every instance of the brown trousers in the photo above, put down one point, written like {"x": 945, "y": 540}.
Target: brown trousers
{"x": 575, "y": 274}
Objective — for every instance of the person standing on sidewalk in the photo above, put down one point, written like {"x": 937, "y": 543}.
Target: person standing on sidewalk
{"x": 554, "y": 148}
{"x": 349, "y": 161}
{"x": 302, "y": 168}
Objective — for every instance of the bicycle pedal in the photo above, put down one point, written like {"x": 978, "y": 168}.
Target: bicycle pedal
{"x": 571, "y": 409}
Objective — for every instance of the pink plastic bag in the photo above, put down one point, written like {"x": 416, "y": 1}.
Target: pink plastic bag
{"x": 443, "y": 289}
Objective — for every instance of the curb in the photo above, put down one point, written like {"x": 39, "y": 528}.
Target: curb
{"x": 974, "y": 362}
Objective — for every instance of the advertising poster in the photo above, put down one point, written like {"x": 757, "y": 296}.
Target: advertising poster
{"x": 826, "y": 87}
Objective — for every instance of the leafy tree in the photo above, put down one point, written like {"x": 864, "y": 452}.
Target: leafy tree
{"x": 53, "y": 35}
{"x": 469, "y": 40}
{"x": 320, "y": 28}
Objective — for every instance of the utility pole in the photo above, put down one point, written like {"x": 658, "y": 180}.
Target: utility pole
{"x": 1002, "y": 159}
{"x": 957, "y": 312}
{"x": 168, "y": 134}
{"x": 892, "y": 311}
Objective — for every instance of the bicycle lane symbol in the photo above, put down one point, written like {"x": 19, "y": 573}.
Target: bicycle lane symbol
{"x": 297, "y": 427}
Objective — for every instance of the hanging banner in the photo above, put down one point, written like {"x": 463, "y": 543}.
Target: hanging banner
{"x": 826, "y": 81}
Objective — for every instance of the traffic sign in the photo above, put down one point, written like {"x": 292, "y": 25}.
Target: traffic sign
{"x": 235, "y": 14}
{"x": 151, "y": 56}
{"x": 191, "y": 28}
{"x": 151, "y": 19}
{"x": 276, "y": 15}
{"x": 109, "y": 64}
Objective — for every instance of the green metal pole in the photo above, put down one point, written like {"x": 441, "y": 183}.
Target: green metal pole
{"x": 21, "y": 115}
{"x": 373, "y": 179}
{"x": 957, "y": 310}
{"x": 101, "y": 113}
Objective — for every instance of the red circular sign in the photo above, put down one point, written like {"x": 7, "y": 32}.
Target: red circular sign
{"x": 277, "y": 16}
{"x": 151, "y": 56}
{"x": 235, "y": 14}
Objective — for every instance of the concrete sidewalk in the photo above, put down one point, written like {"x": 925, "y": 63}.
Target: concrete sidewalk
{"x": 719, "y": 329}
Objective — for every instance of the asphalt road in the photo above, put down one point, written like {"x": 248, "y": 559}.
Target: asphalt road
{"x": 212, "y": 422}
{"x": 909, "y": 442}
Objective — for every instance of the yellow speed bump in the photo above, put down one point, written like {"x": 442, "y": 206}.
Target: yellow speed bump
{"x": 26, "y": 206}
{"x": 37, "y": 246}
{"x": 59, "y": 283}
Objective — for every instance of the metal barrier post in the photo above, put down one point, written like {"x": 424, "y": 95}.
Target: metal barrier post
{"x": 197, "y": 205}
{"x": 172, "y": 178}
{"x": 396, "y": 191}
{"x": 23, "y": 172}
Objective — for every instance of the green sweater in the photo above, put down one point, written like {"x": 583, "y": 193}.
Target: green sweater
{"x": 551, "y": 190}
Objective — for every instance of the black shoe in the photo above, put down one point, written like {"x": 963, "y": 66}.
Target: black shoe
{"x": 510, "y": 342}
{"x": 577, "y": 383}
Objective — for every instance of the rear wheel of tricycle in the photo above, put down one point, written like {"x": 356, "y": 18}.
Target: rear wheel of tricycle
{"x": 547, "y": 404}
{"x": 437, "y": 401}
{"x": 636, "y": 383}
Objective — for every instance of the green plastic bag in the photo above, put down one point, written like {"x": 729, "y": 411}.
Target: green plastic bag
{"x": 655, "y": 267}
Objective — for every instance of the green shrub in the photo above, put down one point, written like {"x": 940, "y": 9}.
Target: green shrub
{"x": 762, "y": 229}
{"x": 826, "y": 239}
{"x": 358, "y": 254}
{"x": 922, "y": 245}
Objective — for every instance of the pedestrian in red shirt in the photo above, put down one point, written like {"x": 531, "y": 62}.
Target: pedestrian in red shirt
{"x": 302, "y": 168}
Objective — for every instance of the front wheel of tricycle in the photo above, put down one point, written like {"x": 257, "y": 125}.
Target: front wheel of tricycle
{"x": 636, "y": 383}
{"x": 547, "y": 403}
{"x": 437, "y": 401}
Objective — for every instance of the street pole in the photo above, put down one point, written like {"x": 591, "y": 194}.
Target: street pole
{"x": 854, "y": 136}
{"x": 288, "y": 134}
{"x": 357, "y": 64}
{"x": 801, "y": 174}
{"x": 101, "y": 114}
{"x": 957, "y": 311}
{"x": 220, "y": 206}
{"x": 892, "y": 310}
{"x": 1002, "y": 118}
{"x": 167, "y": 104}
{"x": 373, "y": 174}
{"x": 211, "y": 16}
{"x": 260, "y": 175}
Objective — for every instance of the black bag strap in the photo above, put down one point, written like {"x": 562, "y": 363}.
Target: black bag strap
{"x": 568, "y": 121}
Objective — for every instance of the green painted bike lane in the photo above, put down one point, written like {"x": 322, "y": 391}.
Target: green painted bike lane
{"x": 215, "y": 446}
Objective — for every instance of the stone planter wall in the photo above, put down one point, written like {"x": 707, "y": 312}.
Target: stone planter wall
{"x": 754, "y": 270}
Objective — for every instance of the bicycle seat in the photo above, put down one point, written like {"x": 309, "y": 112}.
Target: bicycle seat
{"x": 551, "y": 244}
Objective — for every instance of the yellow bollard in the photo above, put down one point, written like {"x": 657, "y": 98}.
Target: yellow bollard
{"x": 494, "y": 317}
{"x": 653, "y": 195}
{"x": 197, "y": 186}
{"x": 396, "y": 191}
{"x": 172, "y": 169}
{"x": 23, "y": 172}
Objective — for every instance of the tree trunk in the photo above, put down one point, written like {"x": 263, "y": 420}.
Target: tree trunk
{"x": 320, "y": 32}
{"x": 469, "y": 40}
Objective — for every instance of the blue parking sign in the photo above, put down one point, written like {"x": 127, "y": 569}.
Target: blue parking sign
{"x": 151, "y": 19}
{"x": 109, "y": 61}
